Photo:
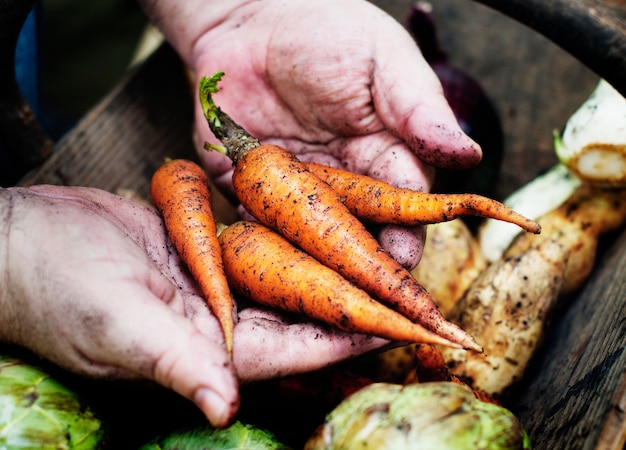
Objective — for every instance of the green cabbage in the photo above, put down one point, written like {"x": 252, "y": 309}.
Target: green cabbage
{"x": 436, "y": 415}
{"x": 236, "y": 436}
{"x": 38, "y": 412}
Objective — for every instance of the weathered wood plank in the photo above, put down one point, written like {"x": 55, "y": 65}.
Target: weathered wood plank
{"x": 119, "y": 144}
{"x": 123, "y": 139}
{"x": 594, "y": 31}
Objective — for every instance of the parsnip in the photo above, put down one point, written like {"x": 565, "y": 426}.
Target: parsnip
{"x": 591, "y": 150}
{"x": 505, "y": 310}
{"x": 450, "y": 262}
{"x": 507, "y": 306}
{"x": 534, "y": 199}
{"x": 578, "y": 224}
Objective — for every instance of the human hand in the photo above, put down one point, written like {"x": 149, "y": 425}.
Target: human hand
{"x": 90, "y": 282}
{"x": 341, "y": 83}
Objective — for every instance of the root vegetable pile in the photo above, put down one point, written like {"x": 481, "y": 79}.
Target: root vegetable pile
{"x": 263, "y": 266}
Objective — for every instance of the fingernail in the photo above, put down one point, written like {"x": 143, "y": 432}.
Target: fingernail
{"x": 213, "y": 405}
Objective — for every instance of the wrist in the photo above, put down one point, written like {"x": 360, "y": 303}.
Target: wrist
{"x": 183, "y": 23}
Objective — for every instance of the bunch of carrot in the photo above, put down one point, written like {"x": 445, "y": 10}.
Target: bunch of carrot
{"x": 262, "y": 265}
{"x": 314, "y": 255}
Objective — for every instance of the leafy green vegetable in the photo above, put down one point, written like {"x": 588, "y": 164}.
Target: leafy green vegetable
{"x": 435, "y": 415}
{"x": 38, "y": 412}
{"x": 237, "y": 436}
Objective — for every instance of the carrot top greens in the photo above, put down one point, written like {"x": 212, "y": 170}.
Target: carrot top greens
{"x": 208, "y": 86}
{"x": 237, "y": 141}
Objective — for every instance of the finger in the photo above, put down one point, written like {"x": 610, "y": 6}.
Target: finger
{"x": 151, "y": 340}
{"x": 398, "y": 166}
{"x": 404, "y": 244}
{"x": 410, "y": 101}
{"x": 267, "y": 346}
{"x": 146, "y": 229}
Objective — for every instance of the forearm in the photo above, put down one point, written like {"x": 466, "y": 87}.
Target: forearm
{"x": 183, "y": 23}
{"x": 5, "y": 218}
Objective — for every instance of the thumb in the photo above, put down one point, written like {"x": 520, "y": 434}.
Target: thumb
{"x": 410, "y": 100}
{"x": 169, "y": 349}
{"x": 199, "y": 370}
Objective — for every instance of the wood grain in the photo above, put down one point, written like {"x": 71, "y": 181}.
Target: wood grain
{"x": 121, "y": 142}
{"x": 594, "y": 31}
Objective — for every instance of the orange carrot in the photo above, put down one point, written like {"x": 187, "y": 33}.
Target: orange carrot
{"x": 180, "y": 191}
{"x": 277, "y": 189}
{"x": 379, "y": 202}
{"x": 431, "y": 366}
{"x": 262, "y": 265}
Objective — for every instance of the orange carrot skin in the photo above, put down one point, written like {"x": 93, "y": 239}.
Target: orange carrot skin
{"x": 180, "y": 191}
{"x": 431, "y": 366}
{"x": 379, "y": 202}
{"x": 263, "y": 266}
{"x": 277, "y": 189}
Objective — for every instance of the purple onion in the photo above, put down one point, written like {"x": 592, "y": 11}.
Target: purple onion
{"x": 474, "y": 111}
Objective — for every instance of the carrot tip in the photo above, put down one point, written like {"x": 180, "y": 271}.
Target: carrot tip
{"x": 478, "y": 349}
{"x": 526, "y": 224}
{"x": 471, "y": 344}
{"x": 456, "y": 341}
{"x": 461, "y": 338}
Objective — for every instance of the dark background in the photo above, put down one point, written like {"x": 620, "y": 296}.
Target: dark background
{"x": 86, "y": 48}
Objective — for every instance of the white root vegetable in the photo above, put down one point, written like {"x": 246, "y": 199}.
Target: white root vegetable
{"x": 534, "y": 199}
{"x": 505, "y": 310}
{"x": 450, "y": 262}
{"x": 591, "y": 149}
{"x": 578, "y": 224}
{"x": 593, "y": 143}
{"x": 507, "y": 306}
